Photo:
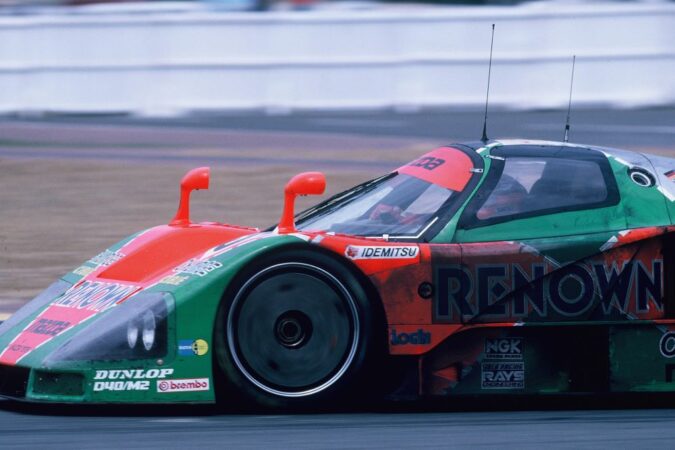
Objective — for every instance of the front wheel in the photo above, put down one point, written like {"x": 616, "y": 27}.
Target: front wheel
{"x": 297, "y": 328}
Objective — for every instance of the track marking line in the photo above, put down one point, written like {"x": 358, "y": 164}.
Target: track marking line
{"x": 177, "y": 420}
{"x": 626, "y": 129}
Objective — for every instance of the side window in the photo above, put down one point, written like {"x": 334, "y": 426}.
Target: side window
{"x": 536, "y": 185}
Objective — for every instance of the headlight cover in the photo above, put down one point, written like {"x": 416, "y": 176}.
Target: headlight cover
{"x": 55, "y": 290}
{"x": 136, "y": 329}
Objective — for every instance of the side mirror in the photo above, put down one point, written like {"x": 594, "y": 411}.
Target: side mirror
{"x": 306, "y": 183}
{"x": 193, "y": 180}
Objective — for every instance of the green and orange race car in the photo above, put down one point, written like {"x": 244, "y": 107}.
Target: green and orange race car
{"x": 506, "y": 267}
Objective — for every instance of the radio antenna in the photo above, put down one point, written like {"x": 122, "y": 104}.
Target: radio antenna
{"x": 569, "y": 103}
{"x": 487, "y": 93}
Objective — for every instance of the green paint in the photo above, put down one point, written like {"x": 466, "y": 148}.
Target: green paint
{"x": 196, "y": 303}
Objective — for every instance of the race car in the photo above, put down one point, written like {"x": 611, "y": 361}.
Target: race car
{"x": 487, "y": 268}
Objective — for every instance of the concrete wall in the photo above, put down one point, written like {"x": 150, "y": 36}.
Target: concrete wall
{"x": 404, "y": 57}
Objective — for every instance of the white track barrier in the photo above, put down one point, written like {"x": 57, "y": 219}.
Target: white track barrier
{"x": 400, "y": 57}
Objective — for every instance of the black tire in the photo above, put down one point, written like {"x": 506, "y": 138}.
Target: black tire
{"x": 297, "y": 331}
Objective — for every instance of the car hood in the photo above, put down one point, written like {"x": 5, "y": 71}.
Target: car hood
{"x": 174, "y": 259}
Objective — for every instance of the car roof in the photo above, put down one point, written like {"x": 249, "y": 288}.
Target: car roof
{"x": 662, "y": 167}
{"x": 628, "y": 158}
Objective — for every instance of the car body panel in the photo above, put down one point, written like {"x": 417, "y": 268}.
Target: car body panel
{"x": 522, "y": 304}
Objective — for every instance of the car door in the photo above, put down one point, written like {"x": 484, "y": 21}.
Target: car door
{"x": 528, "y": 238}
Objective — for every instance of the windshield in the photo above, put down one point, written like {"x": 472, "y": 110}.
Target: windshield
{"x": 403, "y": 204}
{"x": 396, "y": 205}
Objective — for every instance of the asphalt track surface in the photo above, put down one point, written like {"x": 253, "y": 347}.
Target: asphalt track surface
{"x": 573, "y": 425}
{"x": 203, "y": 428}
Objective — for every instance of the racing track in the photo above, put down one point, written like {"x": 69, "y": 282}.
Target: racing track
{"x": 197, "y": 428}
{"x": 116, "y": 151}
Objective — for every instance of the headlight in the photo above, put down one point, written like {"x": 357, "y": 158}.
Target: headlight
{"x": 146, "y": 327}
{"x": 136, "y": 329}
{"x": 132, "y": 333}
{"x": 149, "y": 326}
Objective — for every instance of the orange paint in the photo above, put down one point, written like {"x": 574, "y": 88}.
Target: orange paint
{"x": 306, "y": 183}
{"x": 445, "y": 166}
{"x": 164, "y": 248}
{"x": 193, "y": 180}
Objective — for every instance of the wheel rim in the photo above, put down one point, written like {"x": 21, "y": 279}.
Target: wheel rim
{"x": 293, "y": 330}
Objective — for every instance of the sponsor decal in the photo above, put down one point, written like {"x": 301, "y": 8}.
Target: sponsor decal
{"x": 132, "y": 374}
{"x": 106, "y": 258}
{"x": 199, "y": 268}
{"x": 95, "y": 296}
{"x": 427, "y": 162}
{"x": 138, "y": 385}
{"x": 504, "y": 348}
{"x": 205, "y": 264}
{"x": 382, "y": 252}
{"x": 667, "y": 344}
{"x": 420, "y": 337}
{"x": 501, "y": 375}
{"x": 183, "y": 385}
{"x": 670, "y": 175}
{"x": 48, "y": 327}
{"x": 503, "y": 366}
{"x": 433, "y": 168}
{"x": 127, "y": 379}
{"x": 537, "y": 290}
{"x": 173, "y": 280}
{"x": 224, "y": 248}
{"x": 103, "y": 259}
{"x": 83, "y": 270}
{"x": 78, "y": 304}
{"x": 18, "y": 348}
{"x": 50, "y": 323}
{"x": 197, "y": 347}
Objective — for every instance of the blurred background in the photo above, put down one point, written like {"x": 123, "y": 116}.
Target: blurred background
{"x": 176, "y": 58}
{"x": 104, "y": 105}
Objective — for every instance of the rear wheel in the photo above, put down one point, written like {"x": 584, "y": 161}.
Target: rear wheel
{"x": 297, "y": 328}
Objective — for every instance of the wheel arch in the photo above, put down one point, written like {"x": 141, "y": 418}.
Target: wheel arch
{"x": 256, "y": 261}
{"x": 363, "y": 280}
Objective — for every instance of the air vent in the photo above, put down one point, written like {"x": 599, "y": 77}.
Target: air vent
{"x": 641, "y": 177}
{"x": 13, "y": 381}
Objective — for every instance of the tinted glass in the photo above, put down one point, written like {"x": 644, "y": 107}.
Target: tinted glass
{"x": 398, "y": 205}
{"x": 528, "y": 185}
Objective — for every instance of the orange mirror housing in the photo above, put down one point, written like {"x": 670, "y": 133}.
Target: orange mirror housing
{"x": 196, "y": 179}
{"x": 306, "y": 183}
{"x": 193, "y": 180}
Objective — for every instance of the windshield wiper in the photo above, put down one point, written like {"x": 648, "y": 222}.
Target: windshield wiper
{"x": 363, "y": 187}
{"x": 340, "y": 196}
